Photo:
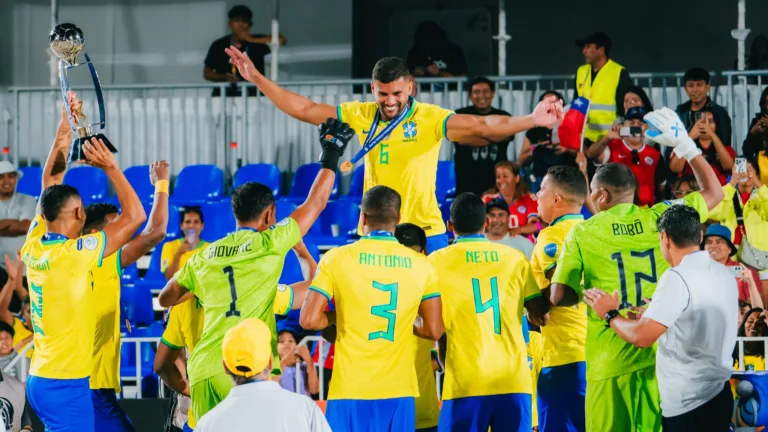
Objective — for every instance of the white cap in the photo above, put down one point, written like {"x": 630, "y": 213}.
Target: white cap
{"x": 6, "y": 167}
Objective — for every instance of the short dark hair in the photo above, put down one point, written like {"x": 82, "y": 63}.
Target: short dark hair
{"x": 616, "y": 176}
{"x": 570, "y": 180}
{"x": 53, "y": 199}
{"x": 250, "y": 200}
{"x": 96, "y": 216}
{"x": 696, "y": 74}
{"x": 240, "y": 12}
{"x": 554, "y": 93}
{"x": 467, "y": 214}
{"x": 410, "y": 235}
{"x": 682, "y": 225}
{"x": 390, "y": 69}
{"x": 481, "y": 80}
{"x": 5, "y": 327}
{"x": 755, "y": 165}
{"x": 183, "y": 211}
{"x": 381, "y": 205}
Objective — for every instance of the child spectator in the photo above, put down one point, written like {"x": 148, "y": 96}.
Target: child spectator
{"x": 715, "y": 151}
{"x": 7, "y": 353}
{"x": 297, "y": 365}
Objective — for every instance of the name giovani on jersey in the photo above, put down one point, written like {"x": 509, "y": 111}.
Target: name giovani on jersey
{"x": 228, "y": 251}
{"x": 634, "y": 228}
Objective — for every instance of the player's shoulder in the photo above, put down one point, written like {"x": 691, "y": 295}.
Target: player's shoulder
{"x": 429, "y": 111}
{"x": 356, "y": 110}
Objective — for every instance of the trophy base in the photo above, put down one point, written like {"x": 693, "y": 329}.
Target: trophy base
{"x": 76, "y": 149}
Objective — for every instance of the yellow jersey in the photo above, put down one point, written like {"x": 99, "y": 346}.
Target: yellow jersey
{"x": 566, "y": 333}
{"x": 20, "y": 333}
{"x": 170, "y": 248}
{"x": 406, "y": 161}
{"x": 378, "y": 285}
{"x": 535, "y": 351}
{"x": 61, "y": 300}
{"x": 427, "y": 409}
{"x": 106, "y": 309}
{"x": 483, "y": 287}
{"x": 751, "y": 363}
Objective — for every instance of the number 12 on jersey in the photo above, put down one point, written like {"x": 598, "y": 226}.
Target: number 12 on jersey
{"x": 639, "y": 277}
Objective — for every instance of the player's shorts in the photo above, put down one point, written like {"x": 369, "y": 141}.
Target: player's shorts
{"x": 627, "y": 402}
{"x": 208, "y": 393}
{"x": 63, "y": 405}
{"x": 560, "y": 398}
{"x": 506, "y": 412}
{"x": 436, "y": 242}
{"x": 378, "y": 415}
{"x": 108, "y": 416}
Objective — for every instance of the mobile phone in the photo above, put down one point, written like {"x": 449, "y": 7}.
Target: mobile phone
{"x": 736, "y": 270}
{"x": 631, "y": 131}
{"x": 698, "y": 115}
{"x": 740, "y": 165}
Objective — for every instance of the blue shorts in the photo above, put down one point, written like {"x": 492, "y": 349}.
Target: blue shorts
{"x": 108, "y": 416}
{"x": 436, "y": 242}
{"x": 560, "y": 397}
{"x": 506, "y": 412}
{"x": 379, "y": 415}
{"x": 63, "y": 405}
{"x": 187, "y": 428}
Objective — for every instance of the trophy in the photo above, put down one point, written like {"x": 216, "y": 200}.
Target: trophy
{"x": 66, "y": 42}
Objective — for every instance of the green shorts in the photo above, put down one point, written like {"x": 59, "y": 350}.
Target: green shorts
{"x": 208, "y": 393}
{"x": 627, "y": 403}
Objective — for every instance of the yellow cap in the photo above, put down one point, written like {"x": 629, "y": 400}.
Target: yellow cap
{"x": 247, "y": 347}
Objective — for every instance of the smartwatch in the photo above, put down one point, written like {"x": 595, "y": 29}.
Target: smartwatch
{"x": 611, "y": 314}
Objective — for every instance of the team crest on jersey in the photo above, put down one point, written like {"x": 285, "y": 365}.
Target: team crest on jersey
{"x": 90, "y": 243}
{"x": 409, "y": 131}
{"x": 281, "y": 287}
{"x": 530, "y": 362}
{"x": 649, "y": 160}
{"x": 521, "y": 209}
{"x": 283, "y": 222}
{"x": 550, "y": 250}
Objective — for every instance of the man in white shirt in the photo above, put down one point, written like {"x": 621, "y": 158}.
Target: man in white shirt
{"x": 497, "y": 213}
{"x": 255, "y": 401}
{"x": 693, "y": 316}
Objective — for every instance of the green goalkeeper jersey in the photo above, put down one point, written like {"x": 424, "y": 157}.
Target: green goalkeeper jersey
{"x": 617, "y": 250}
{"x": 235, "y": 278}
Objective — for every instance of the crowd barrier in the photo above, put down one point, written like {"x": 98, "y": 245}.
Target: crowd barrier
{"x": 186, "y": 125}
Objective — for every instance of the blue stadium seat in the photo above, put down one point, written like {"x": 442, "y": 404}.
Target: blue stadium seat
{"x": 302, "y": 183}
{"x": 264, "y": 173}
{"x": 445, "y": 212}
{"x": 90, "y": 182}
{"x": 283, "y": 209}
{"x": 138, "y": 177}
{"x": 137, "y": 302}
{"x": 198, "y": 184}
{"x": 356, "y": 185}
{"x": 172, "y": 231}
{"x": 291, "y": 269}
{"x": 313, "y": 250}
{"x": 219, "y": 221}
{"x": 31, "y": 181}
{"x": 445, "y": 186}
{"x": 130, "y": 273}
{"x": 153, "y": 278}
{"x": 345, "y": 214}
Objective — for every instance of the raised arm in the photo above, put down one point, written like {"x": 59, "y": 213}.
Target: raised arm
{"x": 171, "y": 293}
{"x": 155, "y": 230}
{"x": 56, "y": 164}
{"x": 122, "y": 229}
{"x": 296, "y": 106}
{"x": 334, "y": 136}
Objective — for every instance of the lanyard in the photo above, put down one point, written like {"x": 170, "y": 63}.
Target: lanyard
{"x": 372, "y": 140}
{"x": 232, "y": 42}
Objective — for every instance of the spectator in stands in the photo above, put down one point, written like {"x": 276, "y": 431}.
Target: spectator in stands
{"x": 697, "y": 87}
{"x": 512, "y": 189}
{"x": 749, "y": 203}
{"x": 541, "y": 148}
{"x": 296, "y": 364}
{"x": 717, "y": 241}
{"x": 758, "y": 54}
{"x": 22, "y": 326}
{"x": 217, "y": 66}
{"x": 15, "y": 411}
{"x": 247, "y": 353}
{"x": 604, "y": 82}
{"x": 16, "y": 213}
{"x": 753, "y": 325}
{"x": 636, "y": 97}
{"x": 705, "y": 133}
{"x": 176, "y": 253}
{"x": 433, "y": 55}
{"x": 497, "y": 230}
{"x": 744, "y": 307}
{"x": 683, "y": 186}
{"x": 625, "y": 145}
{"x": 7, "y": 353}
{"x": 474, "y": 164}
{"x": 756, "y": 144}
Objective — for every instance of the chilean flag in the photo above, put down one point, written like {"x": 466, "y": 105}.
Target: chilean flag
{"x": 571, "y": 130}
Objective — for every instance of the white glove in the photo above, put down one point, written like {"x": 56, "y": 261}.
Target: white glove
{"x": 666, "y": 128}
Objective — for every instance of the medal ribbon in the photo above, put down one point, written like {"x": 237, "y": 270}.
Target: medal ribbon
{"x": 372, "y": 140}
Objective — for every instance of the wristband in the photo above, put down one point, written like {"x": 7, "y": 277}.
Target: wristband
{"x": 161, "y": 186}
{"x": 330, "y": 159}
{"x": 687, "y": 150}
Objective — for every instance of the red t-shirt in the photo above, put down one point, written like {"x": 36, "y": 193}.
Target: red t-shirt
{"x": 521, "y": 210}
{"x": 645, "y": 165}
{"x": 743, "y": 285}
{"x": 721, "y": 173}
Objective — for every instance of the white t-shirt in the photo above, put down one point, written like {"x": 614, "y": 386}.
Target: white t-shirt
{"x": 698, "y": 303}
{"x": 19, "y": 207}
{"x": 265, "y": 406}
{"x": 517, "y": 242}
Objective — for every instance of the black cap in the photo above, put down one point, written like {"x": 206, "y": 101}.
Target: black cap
{"x": 600, "y": 39}
{"x": 496, "y": 203}
{"x": 635, "y": 113}
{"x": 240, "y": 12}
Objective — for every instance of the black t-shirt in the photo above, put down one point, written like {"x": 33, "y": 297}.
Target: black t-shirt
{"x": 218, "y": 60}
{"x": 544, "y": 156}
{"x": 474, "y": 165}
{"x": 447, "y": 56}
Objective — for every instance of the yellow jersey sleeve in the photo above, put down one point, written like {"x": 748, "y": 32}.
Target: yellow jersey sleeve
{"x": 186, "y": 275}
{"x": 530, "y": 287}
{"x": 357, "y": 114}
{"x": 570, "y": 266}
{"x": 431, "y": 290}
{"x": 694, "y": 199}
{"x": 324, "y": 283}
{"x": 166, "y": 256}
{"x": 86, "y": 251}
{"x": 720, "y": 212}
{"x": 173, "y": 337}
{"x": 283, "y": 300}
{"x": 439, "y": 116}
{"x": 544, "y": 257}
{"x": 37, "y": 228}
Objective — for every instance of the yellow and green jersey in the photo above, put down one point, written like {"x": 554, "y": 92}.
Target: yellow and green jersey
{"x": 617, "y": 250}
{"x": 105, "y": 373}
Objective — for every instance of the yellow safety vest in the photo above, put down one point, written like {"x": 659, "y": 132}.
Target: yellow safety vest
{"x": 762, "y": 163}
{"x": 602, "y": 96}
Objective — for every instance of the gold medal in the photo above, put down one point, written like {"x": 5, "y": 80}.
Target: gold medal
{"x": 346, "y": 167}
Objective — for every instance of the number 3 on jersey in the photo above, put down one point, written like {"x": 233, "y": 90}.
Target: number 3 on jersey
{"x": 230, "y": 272}
{"x": 385, "y": 311}
{"x": 638, "y": 276}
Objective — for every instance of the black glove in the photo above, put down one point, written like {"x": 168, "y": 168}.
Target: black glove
{"x": 334, "y": 136}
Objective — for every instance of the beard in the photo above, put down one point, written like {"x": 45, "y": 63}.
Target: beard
{"x": 386, "y": 115}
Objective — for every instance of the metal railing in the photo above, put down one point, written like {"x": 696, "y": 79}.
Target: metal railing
{"x": 740, "y": 345}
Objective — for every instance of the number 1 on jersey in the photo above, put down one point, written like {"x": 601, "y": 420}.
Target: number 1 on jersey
{"x": 492, "y": 303}
{"x": 230, "y": 272}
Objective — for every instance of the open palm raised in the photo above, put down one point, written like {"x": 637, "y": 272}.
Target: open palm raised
{"x": 243, "y": 63}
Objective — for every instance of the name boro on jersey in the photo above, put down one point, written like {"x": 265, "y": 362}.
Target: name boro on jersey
{"x": 634, "y": 228}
